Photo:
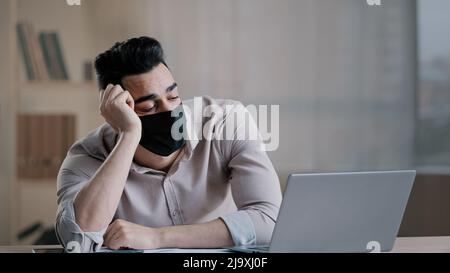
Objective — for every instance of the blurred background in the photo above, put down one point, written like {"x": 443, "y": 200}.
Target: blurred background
{"x": 360, "y": 87}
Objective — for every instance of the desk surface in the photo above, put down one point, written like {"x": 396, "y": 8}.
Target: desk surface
{"x": 402, "y": 245}
{"x": 422, "y": 245}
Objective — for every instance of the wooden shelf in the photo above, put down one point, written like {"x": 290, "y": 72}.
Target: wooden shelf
{"x": 19, "y": 198}
{"x": 58, "y": 97}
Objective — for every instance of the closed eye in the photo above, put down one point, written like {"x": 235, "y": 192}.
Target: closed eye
{"x": 148, "y": 109}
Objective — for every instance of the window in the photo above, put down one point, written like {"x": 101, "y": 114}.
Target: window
{"x": 433, "y": 113}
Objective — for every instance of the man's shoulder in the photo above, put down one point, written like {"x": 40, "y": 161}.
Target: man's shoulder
{"x": 96, "y": 144}
{"x": 213, "y": 118}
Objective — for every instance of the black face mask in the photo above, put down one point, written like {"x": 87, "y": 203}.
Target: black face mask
{"x": 157, "y": 131}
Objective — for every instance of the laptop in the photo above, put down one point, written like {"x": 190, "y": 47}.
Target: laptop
{"x": 340, "y": 212}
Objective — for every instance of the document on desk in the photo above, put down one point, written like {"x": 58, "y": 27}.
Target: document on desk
{"x": 188, "y": 250}
{"x": 167, "y": 250}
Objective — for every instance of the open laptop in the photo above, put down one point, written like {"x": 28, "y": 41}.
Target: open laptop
{"x": 340, "y": 212}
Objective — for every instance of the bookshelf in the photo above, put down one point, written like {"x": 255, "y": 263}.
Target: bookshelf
{"x": 26, "y": 201}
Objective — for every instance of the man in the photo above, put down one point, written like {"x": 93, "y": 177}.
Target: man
{"x": 132, "y": 184}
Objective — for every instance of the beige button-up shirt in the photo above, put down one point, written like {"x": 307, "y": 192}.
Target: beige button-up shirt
{"x": 229, "y": 179}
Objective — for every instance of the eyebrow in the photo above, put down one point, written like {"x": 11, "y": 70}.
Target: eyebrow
{"x": 153, "y": 95}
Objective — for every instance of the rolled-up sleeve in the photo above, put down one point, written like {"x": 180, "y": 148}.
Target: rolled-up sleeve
{"x": 241, "y": 228}
{"x": 254, "y": 184}
{"x": 70, "y": 181}
{"x": 69, "y": 232}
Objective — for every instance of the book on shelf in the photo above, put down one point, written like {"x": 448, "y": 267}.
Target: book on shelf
{"x": 53, "y": 54}
{"x": 42, "y": 54}
{"x": 26, "y": 52}
{"x": 42, "y": 144}
{"x": 32, "y": 53}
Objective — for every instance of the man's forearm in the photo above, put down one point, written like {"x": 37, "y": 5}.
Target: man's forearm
{"x": 97, "y": 202}
{"x": 213, "y": 234}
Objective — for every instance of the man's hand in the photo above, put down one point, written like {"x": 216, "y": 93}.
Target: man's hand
{"x": 123, "y": 234}
{"x": 117, "y": 107}
{"x": 97, "y": 201}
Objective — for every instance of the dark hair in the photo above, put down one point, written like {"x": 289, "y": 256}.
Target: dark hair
{"x": 131, "y": 57}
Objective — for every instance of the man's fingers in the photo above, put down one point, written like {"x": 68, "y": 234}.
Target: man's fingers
{"x": 108, "y": 240}
{"x": 112, "y": 231}
{"x": 110, "y": 226}
{"x": 108, "y": 92}
{"x": 115, "y": 243}
{"x": 109, "y": 231}
{"x": 109, "y": 236}
{"x": 105, "y": 95}
{"x": 114, "y": 239}
{"x": 126, "y": 97}
{"x": 104, "y": 91}
{"x": 130, "y": 100}
{"x": 116, "y": 89}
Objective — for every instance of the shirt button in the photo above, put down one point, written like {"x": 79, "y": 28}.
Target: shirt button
{"x": 175, "y": 212}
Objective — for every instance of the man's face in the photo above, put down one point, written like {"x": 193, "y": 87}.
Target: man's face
{"x": 153, "y": 92}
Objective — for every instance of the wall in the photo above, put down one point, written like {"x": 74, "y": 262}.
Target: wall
{"x": 342, "y": 72}
{"x": 24, "y": 202}
{"x": 6, "y": 121}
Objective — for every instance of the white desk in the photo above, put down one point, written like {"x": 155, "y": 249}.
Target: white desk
{"x": 402, "y": 245}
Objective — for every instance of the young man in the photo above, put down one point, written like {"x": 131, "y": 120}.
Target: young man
{"x": 132, "y": 184}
